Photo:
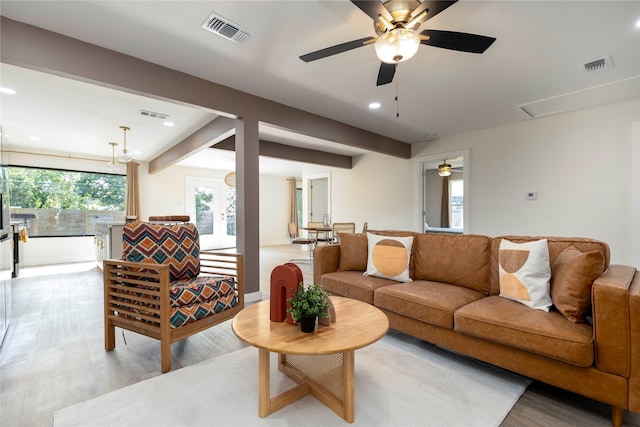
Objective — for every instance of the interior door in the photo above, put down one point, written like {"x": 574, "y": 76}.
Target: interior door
{"x": 318, "y": 199}
{"x": 211, "y": 204}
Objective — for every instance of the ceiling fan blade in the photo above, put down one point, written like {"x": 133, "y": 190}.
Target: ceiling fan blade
{"x": 373, "y": 8}
{"x": 434, "y": 6}
{"x": 386, "y": 73}
{"x": 453, "y": 40}
{"x": 339, "y": 48}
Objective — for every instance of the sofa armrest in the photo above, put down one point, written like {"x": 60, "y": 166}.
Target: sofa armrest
{"x": 326, "y": 259}
{"x": 611, "y": 320}
{"x": 634, "y": 315}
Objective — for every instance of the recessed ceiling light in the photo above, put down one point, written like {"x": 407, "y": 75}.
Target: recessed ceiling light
{"x": 7, "y": 91}
{"x": 374, "y": 105}
{"x": 34, "y": 138}
{"x": 638, "y": 24}
{"x": 168, "y": 124}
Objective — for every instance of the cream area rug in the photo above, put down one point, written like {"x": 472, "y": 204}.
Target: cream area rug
{"x": 397, "y": 383}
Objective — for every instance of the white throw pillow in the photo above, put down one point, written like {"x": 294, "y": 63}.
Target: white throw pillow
{"x": 389, "y": 257}
{"x": 525, "y": 273}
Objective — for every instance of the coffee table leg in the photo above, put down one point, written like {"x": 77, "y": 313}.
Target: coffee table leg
{"x": 264, "y": 382}
{"x": 348, "y": 381}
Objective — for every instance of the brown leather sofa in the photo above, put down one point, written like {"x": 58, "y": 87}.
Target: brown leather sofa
{"x": 453, "y": 301}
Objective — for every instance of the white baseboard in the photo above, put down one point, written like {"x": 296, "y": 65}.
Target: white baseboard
{"x": 253, "y": 297}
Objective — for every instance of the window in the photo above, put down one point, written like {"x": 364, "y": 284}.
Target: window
{"x": 54, "y": 202}
{"x": 456, "y": 200}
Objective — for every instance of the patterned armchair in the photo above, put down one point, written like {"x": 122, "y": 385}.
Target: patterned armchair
{"x": 166, "y": 288}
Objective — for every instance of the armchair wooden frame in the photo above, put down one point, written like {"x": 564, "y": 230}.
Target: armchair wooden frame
{"x": 147, "y": 311}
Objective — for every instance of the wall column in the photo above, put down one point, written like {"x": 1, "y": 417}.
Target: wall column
{"x": 248, "y": 200}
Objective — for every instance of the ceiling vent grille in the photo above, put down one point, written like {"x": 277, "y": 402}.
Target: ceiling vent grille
{"x": 153, "y": 115}
{"x": 597, "y": 65}
{"x": 227, "y": 29}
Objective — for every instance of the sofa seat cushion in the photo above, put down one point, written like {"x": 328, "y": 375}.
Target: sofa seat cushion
{"x": 353, "y": 284}
{"x": 430, "y": 302}
{"x": 512, "y": 324}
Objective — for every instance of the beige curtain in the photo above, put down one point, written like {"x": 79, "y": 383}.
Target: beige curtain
{"x": 293, "y": 201}
{"x": 444, "y": 209}
{"x": 133, "y": 190}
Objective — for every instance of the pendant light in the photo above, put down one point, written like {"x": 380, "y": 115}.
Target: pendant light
{"x": 112, "y": 165}
{"x": 125, "y": 156}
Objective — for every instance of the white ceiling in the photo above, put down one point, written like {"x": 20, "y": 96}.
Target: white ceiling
{"x": 539, "y": 52}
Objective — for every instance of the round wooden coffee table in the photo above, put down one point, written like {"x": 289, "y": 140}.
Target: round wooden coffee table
{"x": 321, "y": 362}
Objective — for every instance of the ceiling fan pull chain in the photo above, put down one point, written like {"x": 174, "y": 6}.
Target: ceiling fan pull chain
{"x": 397, "y": 91}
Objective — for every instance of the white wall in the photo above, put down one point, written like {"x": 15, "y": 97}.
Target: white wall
{"x": 581, "y": 164}
{"x": 274, "y": 210}
{"x": 379, "y": 189}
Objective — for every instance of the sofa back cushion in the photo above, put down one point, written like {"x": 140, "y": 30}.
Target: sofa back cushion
{"x": 353, "y": 252}
{"x": 459, "y": 259}
{"x": 176, "y": 244}
{"x": 572, "y": 277}
{"x": 555, "y": 244}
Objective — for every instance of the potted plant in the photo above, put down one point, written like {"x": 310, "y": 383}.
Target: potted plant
{"x": 307, "y": 303}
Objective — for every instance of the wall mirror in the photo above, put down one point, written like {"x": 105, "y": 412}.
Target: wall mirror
{"x": 444, "y": 192}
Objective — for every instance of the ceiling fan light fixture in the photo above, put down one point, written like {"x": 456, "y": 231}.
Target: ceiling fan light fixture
{"x": 397, "y": 45}
{"x": 125, "y": 156}
{"x": 444, "y": 169}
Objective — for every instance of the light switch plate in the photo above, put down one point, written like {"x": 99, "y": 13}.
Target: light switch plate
{"x": 532, "y": 195}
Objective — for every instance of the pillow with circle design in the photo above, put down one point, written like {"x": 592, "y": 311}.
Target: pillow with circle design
{"x": 525, "y": 273}
{"x": 389, "y": 257}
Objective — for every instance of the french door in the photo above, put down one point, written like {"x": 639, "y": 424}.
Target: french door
{"x": 211, "y": 204}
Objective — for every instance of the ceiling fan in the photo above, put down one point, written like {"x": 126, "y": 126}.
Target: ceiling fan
{"x": 396, "y": 22}
{"x": 445, "y": 169}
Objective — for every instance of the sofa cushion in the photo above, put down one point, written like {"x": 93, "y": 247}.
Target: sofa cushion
{"x": 353, "y": 284}
{"x": 389, "y": 257}
{"x": 430, "y": 302}
{"x": 186, "y": 314}
{"x": 353, "y": 252}
{"x": 177, "y": 245}
{"x": 400, "y": 233}
{"x": 525, "y": 273}
{"x": 200, "y": 289}
{"x": 555, "y": 245}
{"x": 572, "y": 277}
{"x": 512, "y": 324}
{"x": 457, "y": 259}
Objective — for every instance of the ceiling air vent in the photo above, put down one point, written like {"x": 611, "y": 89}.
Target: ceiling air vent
{"x": 154, "y": 115}
{"x": 597, "y": 65}
{"x": 227, "y": 29}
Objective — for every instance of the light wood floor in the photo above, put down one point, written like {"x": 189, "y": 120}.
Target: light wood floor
{"x": 53, "y": 355}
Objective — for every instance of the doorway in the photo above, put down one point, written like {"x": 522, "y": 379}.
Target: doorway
{"x": 211, "y": 204}
{"x": 318, "y": 199}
